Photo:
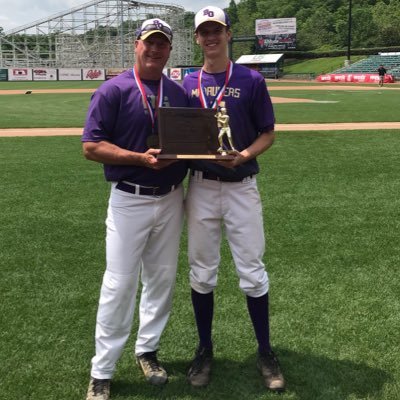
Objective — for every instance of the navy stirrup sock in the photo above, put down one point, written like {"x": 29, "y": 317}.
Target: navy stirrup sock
{"x": 259, "y": 314}
{"x": 203, "y": 306}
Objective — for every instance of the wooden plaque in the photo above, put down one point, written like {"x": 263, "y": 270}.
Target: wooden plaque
{"x": 188, "y": 133}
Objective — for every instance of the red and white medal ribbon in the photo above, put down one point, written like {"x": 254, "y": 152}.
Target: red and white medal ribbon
{"x": 220, "y": 95}
{"x": 159, "y": 99}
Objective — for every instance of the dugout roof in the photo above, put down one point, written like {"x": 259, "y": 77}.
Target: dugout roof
{"x": 259, "y": 59}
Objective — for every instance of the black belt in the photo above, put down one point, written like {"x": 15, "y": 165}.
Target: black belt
{"x": 144, "y": 190}
{"x": 214, "y": 177}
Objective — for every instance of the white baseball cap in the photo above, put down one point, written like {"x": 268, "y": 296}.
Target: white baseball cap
{"x": 154, "y": 25}
{"x": 211, "y": 13}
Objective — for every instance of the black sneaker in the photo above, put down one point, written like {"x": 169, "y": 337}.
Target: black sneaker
{"x": 99, "y": 389}
{"x": 152, "y": 370}
{"x": 200, "y": 368}
{"x": 268, "y": 365}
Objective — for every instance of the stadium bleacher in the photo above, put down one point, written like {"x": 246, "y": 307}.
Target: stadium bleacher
{"x": 395, "y": 72}
{"x": 391, "y": 61}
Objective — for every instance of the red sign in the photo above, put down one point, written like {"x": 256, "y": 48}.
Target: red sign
{"x": 175, "y": 73}
{"x": 20, "y": 71}
{"x": 360, "y": 78}
{"x": 93, "y": 74}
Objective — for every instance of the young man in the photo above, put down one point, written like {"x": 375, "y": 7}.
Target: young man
{"x": 145, "y": 210}
{"x": 381, "y": 73}
{"x": 228, "y": 193}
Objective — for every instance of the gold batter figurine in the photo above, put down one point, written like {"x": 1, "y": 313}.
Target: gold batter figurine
{"x": 224, "y": 130}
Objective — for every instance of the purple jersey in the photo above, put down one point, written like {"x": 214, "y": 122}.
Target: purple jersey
{"x": 117, "y": 114}
{"x": 249, "y": 108}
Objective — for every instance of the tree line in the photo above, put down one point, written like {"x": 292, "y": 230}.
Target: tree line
{"x": 322, "y": 25}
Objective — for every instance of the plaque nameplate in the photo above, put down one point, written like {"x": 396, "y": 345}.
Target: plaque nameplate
{"x": 189, "y": 133}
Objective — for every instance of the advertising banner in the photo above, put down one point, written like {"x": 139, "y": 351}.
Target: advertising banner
{"x": 276, "y": 34}
{"x": 112, "y": 72}
{"x": 44, "y": 74}
{"x": 361, "y": 78}
{"x": 19, "y": 74}
{"x": 3, "y": 74}
{"x": 175, "y": 74}
{"x": 186, "y": 71}
{"x": 69, "y": 74}
{"x": 93, "y": 74}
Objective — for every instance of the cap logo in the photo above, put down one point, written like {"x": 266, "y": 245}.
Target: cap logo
{"x": 151, "y": 26}
{"x": 157, "y": 23}
{"x": 208, "y": 13}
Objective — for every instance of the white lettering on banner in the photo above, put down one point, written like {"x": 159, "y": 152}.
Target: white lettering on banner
{"x": 361, "y": 78}
{"x": 324, "y": 78}
{"x": 275, "y": 26}
{"x": 69, "y": 74}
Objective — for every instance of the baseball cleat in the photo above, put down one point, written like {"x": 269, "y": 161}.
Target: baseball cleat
{"x": 268, "y": 365}
{"x": 99, "y": 389}
{"x": 200, "y": 368}
{"x": 152, "y": 370}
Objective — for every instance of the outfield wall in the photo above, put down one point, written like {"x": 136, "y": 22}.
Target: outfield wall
{"x": 78, "y": 74}
{"x": 52, "y": 74}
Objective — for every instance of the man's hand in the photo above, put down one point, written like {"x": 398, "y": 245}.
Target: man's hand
{"x": 239, "y": 159}
{"x": 150, "y": 160}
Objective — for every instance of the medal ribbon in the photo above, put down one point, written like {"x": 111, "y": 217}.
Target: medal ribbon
{"x": 159, "y": 99}
{"x": 220, "y": 95}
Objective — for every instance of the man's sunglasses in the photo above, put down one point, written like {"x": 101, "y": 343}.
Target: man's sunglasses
{"x": 154, "y": 27}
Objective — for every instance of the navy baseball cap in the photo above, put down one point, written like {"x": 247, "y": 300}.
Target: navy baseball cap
{"x": 154, "y": 25}
{"x": 211, "y": 13}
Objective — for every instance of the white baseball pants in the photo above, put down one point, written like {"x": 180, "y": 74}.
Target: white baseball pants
{"x": 237, "y": 207}
{"x": 142, "y": 242}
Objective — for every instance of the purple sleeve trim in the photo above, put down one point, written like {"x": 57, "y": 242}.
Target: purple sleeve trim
{"x": 268, "y": 129}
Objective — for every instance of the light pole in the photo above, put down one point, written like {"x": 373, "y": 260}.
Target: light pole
{"x": 349, "y": 34}
{"x": 122, "y": 35}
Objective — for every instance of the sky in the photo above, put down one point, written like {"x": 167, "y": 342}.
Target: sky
{"x": 14, "y": 13}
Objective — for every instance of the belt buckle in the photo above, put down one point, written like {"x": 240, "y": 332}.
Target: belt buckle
{"x": 155, "y": 190}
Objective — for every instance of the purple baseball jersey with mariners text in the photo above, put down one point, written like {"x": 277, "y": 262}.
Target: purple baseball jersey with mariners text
{"x": 117, "y": 114}
{"x": 248, "y": 105}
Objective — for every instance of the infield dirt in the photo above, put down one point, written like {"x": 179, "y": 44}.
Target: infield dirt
{"x": 275, "y": 100}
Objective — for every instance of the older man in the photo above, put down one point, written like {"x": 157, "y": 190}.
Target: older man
{"x": 145, "y": 210}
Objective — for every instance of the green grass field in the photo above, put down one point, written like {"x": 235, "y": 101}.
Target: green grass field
{"x": 332, "y": 221}
{"x": 32, "y": 85}
{"x": 338, "y": 106}
{"x": 69, "y": 109}
{"x": 317, "y": 65}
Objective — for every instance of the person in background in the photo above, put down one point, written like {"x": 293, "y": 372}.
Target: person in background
{"x": 381, "y": 72}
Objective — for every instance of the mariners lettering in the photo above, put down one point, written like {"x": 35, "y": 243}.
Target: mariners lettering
{"x": 232, "y": 92}
{"x": 213, "y": 90}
